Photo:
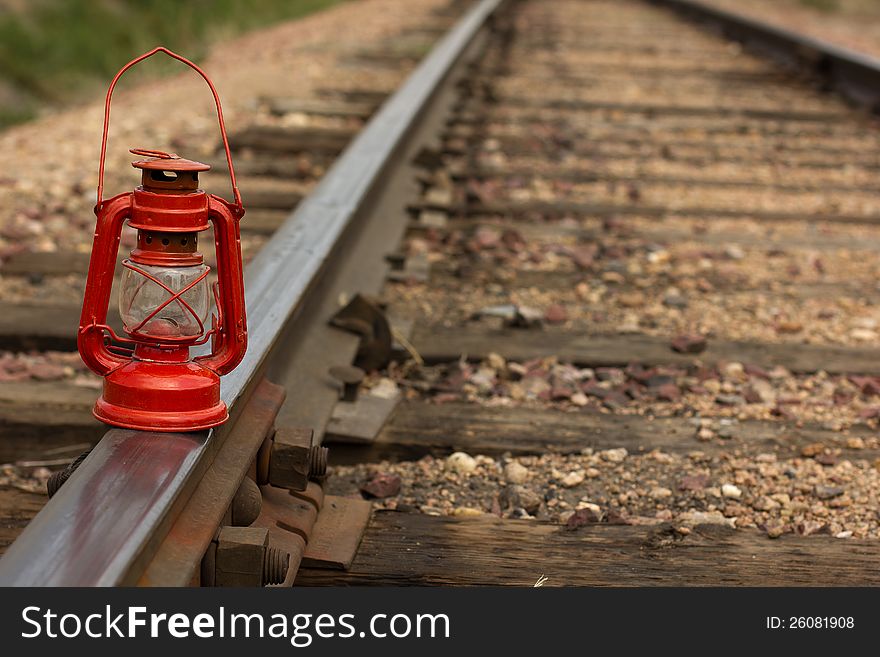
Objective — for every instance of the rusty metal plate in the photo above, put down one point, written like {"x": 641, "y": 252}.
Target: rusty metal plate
{"x": 314, "y": 494}
{"x": 289, "y": 520}
{"x": 177, "y": 559}
{"x": 415, "y": 268}
{"x": 360, "y": 421}
{"x": 284, "y": 511}
{"x": 337, "y": 533}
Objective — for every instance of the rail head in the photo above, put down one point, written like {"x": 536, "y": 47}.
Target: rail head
{"x": 854, "y": 74}
{"x": 102, "y": 529}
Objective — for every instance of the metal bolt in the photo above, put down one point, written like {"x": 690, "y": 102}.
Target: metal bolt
{"x": 350, "y": 377}
{"x": 275, "y": 566}
{"x": 247, "y": 503}
{"x": 242, "y": 556}
{"x": 56, "y": 481}
{"x": 318, "y": 462}
{"x": 58, "y": 478}
{"x": 294, "y": 460}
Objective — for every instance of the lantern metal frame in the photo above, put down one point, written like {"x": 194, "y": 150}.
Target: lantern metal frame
{"x": 150, "y": 382}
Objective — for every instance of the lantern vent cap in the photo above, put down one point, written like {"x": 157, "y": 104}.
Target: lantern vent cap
{"x": 162, "y": 161}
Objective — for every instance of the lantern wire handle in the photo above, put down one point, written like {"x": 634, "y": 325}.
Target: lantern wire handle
{"x": 235, "y": 193}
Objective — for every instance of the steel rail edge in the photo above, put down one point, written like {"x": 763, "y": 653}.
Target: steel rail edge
{"x": 102, "y": 526}
{"x": 854, "y": 74}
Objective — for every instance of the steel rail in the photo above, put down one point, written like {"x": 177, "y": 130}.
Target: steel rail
{"x": 105, "y": 525}
{"x": 853, "y": 74}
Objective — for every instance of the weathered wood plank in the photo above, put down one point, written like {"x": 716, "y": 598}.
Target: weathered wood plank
{"x": 401, "y": 549}
{"x": 784, "y": 114}
{"x": 418, "y": 428}
{"x": 49, "y": 402}
{"x": 599, "y": 74}
{"x": 59, "y": 263}
{"x": 36, "y": 416}
{"x": 633, "y": 144}
{"x": 528, "y": 147}
{"x": 318, "y": 107}
{"x": 263, "y": 193}
{"x": 293, "y": 139}
{"x": 666, "y": 233}
{"x": 279, "y": 165}
{"x": 264, "y": 221}
{"x": 563, "y": 208}
{"x": 474, "y": 113}
{"x": 392, "y": 59}
{"x": 272, "y": 199}
{"x": 581, "y": 175}
{"x": 47, "y": 326}
{"x": 17, "y": 509}
{"x": 440, "y": 344}
{"x": 374, "y": 96}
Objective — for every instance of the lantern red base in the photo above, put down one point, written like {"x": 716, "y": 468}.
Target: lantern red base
{"x": 161, "y": 396}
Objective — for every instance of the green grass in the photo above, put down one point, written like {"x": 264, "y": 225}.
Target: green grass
{"x": 828, "y": 6}
{"x": 54, "y": 51}
{"x": 18, "y": 113}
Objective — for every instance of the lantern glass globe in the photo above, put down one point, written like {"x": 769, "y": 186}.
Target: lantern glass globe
{"x": 139, "y": 297}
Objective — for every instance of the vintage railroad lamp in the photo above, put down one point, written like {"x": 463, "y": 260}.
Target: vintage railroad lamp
{"x": 151, "y": 382}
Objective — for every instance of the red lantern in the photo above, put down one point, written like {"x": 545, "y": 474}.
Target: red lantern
{"x": 150, "y": 380}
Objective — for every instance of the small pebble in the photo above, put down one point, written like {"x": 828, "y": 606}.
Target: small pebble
{"x": 775, "y": 528}
{"x": 555, "y": 314}
{"x": 855, "y": 443}
{"x": 461, "y": 463}
{"x": 614, "y": 455}
{"x": 467, "y": 512}
{"x": 660, "y": 493}
{"x": 729, "y": 490}
{"x": 581, "y": 517}
{"x": 675, "y": 300}
{"x": 516, "y": 473}
{"x": 689, "y": 344}
{"x": 827, "y": 492}
{"x": 382, "y": 485}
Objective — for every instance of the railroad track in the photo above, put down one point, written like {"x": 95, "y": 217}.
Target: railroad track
{"x": 619, "y": 259}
